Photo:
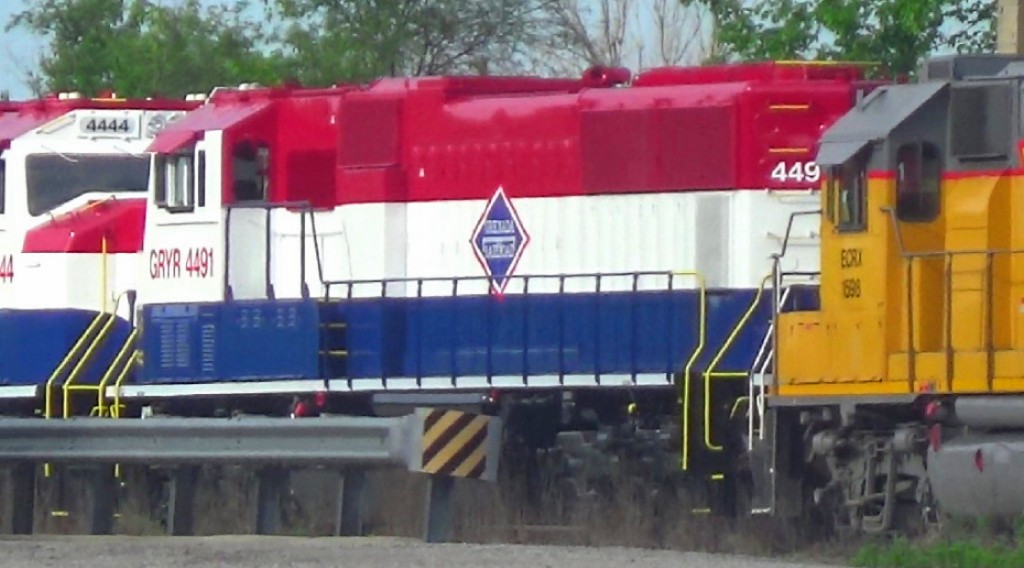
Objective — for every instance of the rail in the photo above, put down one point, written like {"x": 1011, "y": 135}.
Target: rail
{"x": 710, "y": 372}
{"x": 441, "y": 444}
{"x": 778, "y": 276}
{"x": 789, "y": 229}
{"x": 115, "y": 410}
{"x": 702, "y": 338}
{"x": 529, "y": 286}
{"x": 762, "y": 360}
{"x": 119, "y": 360}
{"x": 104, "y": 274}
{"x": 305, "y": 209}
{"x": 988, "y": 292}
{"x": 68, "y": 387}
{"x": 65, "y": 362}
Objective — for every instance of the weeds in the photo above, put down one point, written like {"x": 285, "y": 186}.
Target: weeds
{"x": 955, "y": 554}
{"x": 629, "y": 514}
{"x": 966, "y": 543}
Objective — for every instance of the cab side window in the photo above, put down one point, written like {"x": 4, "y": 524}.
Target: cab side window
{"x": 918, "y": 175}
{"x": 250, "y": 165}
{"x": 848, "y": 195}
{"x": 178, "y": 182}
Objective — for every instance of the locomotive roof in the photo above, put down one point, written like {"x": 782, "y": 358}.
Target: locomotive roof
{"x": 20, "y": 117}
{"x": 713, "y": 84}
{"x": 881, "y": 111}
{"x": 227, "y": 108}
{"x": 964, "y": 106}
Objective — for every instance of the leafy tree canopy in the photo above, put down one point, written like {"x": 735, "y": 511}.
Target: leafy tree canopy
{"x": 141, "y": 48}
{"x": 897, "y": 34}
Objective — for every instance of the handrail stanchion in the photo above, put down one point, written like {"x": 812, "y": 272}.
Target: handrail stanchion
{"x": 709, "y": 372}
{"x": 101, "y": 401}
{"x": 702, "y": 336}
{"x": 268, "y": 243}
{"x": 526, "y": 330}
{"x": 454, "y": 334}
{"x": 69, "y": 385}
{"x": 303, "y": 286}
{"x": 634, "y": 344}
{"x": 227, "y": 253}
{"x": 597, "y": 330}
{"x": 561, "y": 330}
{"x": 104, "y": 275}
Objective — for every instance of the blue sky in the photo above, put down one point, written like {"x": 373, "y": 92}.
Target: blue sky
{"x": 19, "y": 52}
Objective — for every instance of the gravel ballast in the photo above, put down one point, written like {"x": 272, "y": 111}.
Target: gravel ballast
{"x": 273, "y": 552}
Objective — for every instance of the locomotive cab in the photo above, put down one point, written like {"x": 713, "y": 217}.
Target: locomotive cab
{"x": 232, "y": 183}
{"x": 74, "y": 180}
{"x": 75, "y": 184}
{"x": 916, "y": 269}
{"x": 907, "y": 380}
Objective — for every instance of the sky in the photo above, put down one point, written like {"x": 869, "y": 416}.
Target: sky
{"x": 18, "y": 54}
{"x": 20, "y": 50}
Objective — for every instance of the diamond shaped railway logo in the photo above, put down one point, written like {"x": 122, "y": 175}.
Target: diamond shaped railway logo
{"x": 499, "y": 240}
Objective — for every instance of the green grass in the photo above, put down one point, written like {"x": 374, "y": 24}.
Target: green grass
{"x": 957, "y": 554}
{"x": 969, "y": 545}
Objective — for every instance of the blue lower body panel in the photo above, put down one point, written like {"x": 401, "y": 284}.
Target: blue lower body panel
{"x": 231, "y": 341}
{"x": 629, "y": 333}
{"x": 549, "y": 334}
{"x": 34, "y": 342}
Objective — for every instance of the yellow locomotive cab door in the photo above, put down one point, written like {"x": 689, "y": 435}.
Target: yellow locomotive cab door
{"x": 850, "y": 287}
{"x": 841, "y": 346}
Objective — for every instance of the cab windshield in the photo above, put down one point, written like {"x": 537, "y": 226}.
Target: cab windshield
{"x": 55, "y": 179}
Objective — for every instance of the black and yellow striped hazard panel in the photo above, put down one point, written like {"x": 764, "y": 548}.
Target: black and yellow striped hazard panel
{"x": 457, "y": 444}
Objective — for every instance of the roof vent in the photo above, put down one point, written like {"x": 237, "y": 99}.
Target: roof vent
{"x": 961, "y": 67}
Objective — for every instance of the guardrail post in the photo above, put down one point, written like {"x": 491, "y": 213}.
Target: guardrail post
{"x": 348, "y": 518}
{"x": 270, "y": 488}
{"x": 181, "y": 502}
{"x": 102, "y": 488}
{"x": 23, "y": 498}
{"x": 439, "y": 509}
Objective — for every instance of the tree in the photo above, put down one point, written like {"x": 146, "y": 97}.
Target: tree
{"x": 330, "y": 40}
{"x": 141, "y": 48}
{"x": 894, "y": 33}
{"x": 633, "y": 33}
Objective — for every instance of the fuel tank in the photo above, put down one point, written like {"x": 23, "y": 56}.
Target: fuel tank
{"x": 979, "y": 475}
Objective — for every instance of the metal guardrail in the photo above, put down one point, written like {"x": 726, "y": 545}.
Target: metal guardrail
{"x": 215, "y": 441}
{"x": 443, "y": 443}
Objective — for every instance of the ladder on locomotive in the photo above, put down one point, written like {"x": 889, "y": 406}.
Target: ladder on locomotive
{"x": 763, "y": 373}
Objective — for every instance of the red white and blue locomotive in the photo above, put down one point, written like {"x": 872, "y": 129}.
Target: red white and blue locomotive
{"x": 73, "y": 179}
{"x": 579, "y": 254}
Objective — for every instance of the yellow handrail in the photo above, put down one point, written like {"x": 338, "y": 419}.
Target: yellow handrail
{"x": 48, "y": 406}
{"x": 736, "y": 405}
{"x": 97, "y": 341}
{"x": 103, "y": 275}
{"x": 685, "y": 399}
{"x": 116, "y": 409}
{"x": 62, "y": 366}
{"x": 68, "y": 385}
{"x": 101, "y": 401}
{"x": 718, "y": 357}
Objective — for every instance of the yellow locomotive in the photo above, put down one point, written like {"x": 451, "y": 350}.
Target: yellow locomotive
{"x": 900, "y": 396}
